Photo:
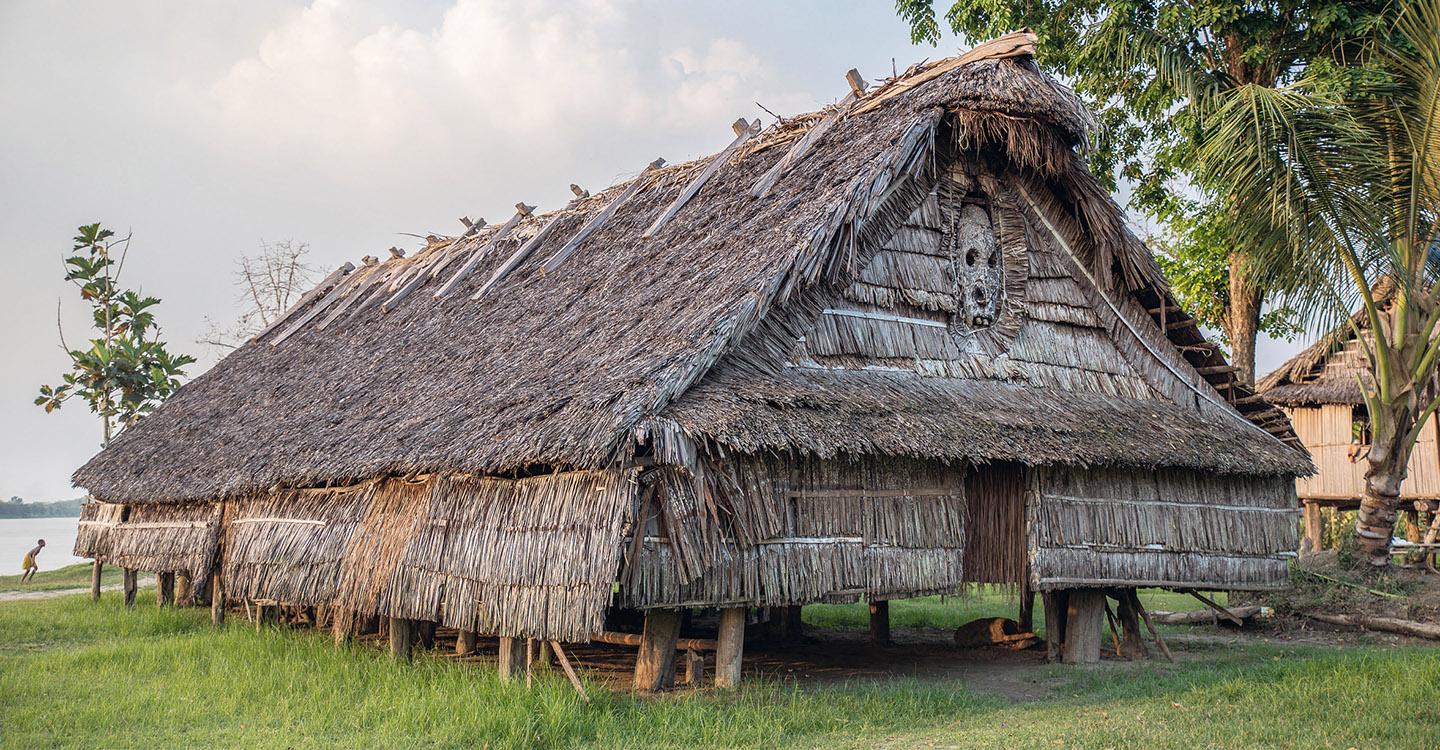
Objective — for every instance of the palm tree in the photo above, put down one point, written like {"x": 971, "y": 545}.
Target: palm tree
{"x": 1353, "y": 178}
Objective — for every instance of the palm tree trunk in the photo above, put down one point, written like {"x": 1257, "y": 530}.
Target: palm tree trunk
{"x": 1384, "y": 473}
{"x": 1242, "y": 320}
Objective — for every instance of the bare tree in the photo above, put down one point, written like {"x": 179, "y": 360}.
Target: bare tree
{"x": 269, "y": 283}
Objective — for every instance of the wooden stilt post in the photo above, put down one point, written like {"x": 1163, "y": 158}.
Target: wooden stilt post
{"x": 95, "y": 570}
{"x": 425, "y": 631}
{"x": 184, "y": 591}
{"x": 512, "y": 657}
{"x": 879, "y": 622}
{"x": 217, "y": 600}
{"x": 402, "y": 637}
{"x": 342, "y": 625}
{"x": 1084, "y": 618}
{"x": 544, "y": 655}
{"x": 655, "y": 664}
{"x": 164, "y": 589}
{"x": 1314, "y": 529}
{"x": 1132, "y": 641}
{"x": 465, "y": 643}
{"x": 131, "y": 581}
{"x": 694, "y": 668}
{"x": 1027, "y": 605}
{"x": 730, "y": 652}
{"x": 1054, "y": 603}
{"x": 794, "y": 625}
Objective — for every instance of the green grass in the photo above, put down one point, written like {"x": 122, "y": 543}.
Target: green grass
{"x": 69, "y": 577}
{"x": 73, "y": 674}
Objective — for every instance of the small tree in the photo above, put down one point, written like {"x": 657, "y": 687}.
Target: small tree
{"x": 269, "y": 283}
{"x": 1353, "y": 176}
{"x": 126, "y": 371}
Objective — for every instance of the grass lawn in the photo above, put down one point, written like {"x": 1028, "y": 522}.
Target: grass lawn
{"x": 68, "y": 577}
{"x": 73, "y": 674}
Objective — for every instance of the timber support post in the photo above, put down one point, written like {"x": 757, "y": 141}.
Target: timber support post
{"x": 1314, "y": 529}
{"x": 465, "y": 643}
{"x": 730, "y": 651}
{"x": 512, "y": 657}
{"x": 1027, "y": 604}
{"x": 164, "y": 588}
{"x": 217, "y": 601}
{"x": 880, "y": 622}
{"x": 402, "y": 637}
{"x": 131, "y": 582}
{"x": 1132, "y": 642}
{"x": 425, "y": 632}
{"x": 655, "y": 664}
{"x": 184, "y": 592}
{"x": 1054, "y": 603}
{"x": 95, "y": 571}
{"x": 1084, "y": 623}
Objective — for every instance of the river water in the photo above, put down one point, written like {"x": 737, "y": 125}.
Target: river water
{"x": 18, "y": 535}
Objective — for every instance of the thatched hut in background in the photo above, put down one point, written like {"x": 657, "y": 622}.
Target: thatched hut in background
{"x": 889, "y": 349}
{"x": 1319, "y": 389}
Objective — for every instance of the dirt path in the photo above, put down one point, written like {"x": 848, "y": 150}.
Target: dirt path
{"x": 20, "y": 596}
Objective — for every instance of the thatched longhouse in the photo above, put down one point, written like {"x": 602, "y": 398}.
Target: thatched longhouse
{"x": 892, "y": 348}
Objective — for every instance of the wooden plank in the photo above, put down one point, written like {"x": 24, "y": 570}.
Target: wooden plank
{"x": 333, "y": 280}
{"x": 372, "y": 273}
{"x": 655, "y": 664}
{"x": 336, "y": 293}
{"x": 743, "y": 131}
{"x": 598, "y": 220}
{"x": 731, "y": 653}
{"x": 767, "y": 181}
{"x": 521, "y": 211}
{"x": 517, "y": 257}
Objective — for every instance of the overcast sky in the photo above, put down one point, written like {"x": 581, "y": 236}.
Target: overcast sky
{"x": 209, "y": 128}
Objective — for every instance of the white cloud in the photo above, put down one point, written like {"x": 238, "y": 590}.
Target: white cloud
{"x": 491, "y": 77}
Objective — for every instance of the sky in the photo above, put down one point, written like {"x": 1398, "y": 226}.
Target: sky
{"x": 207, "y": 129}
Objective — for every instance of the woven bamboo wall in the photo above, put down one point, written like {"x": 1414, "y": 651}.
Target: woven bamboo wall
{"x": 1325, "y": 430}
{"x": 809, "y": 531}
{"x": 290, "y": 545}
{"x": 1170, "y": 527}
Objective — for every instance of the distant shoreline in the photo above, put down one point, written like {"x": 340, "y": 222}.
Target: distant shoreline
{"x": 7, "y": 517}
{"x": 15, "y": 510}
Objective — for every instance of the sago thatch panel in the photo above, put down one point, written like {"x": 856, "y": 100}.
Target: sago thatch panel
{"x": 290, "y": 545}
{"x": 1170, "y": 527}
{"x": 167, "y": 538}
{"x": 97, "y": 522}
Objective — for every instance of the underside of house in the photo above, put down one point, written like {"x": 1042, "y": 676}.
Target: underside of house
{"x": 894, "y": 348}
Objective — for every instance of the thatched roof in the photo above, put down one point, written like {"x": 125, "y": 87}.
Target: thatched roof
{"x": 574, "y": 349}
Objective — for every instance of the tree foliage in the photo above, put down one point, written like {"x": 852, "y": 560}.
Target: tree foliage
{"x": 1351, "y": 175}
{"x": 125, "y": 370}
{"x": 1151, "y": 70}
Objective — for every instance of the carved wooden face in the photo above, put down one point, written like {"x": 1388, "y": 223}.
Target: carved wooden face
{"x": 976, "y": 265}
